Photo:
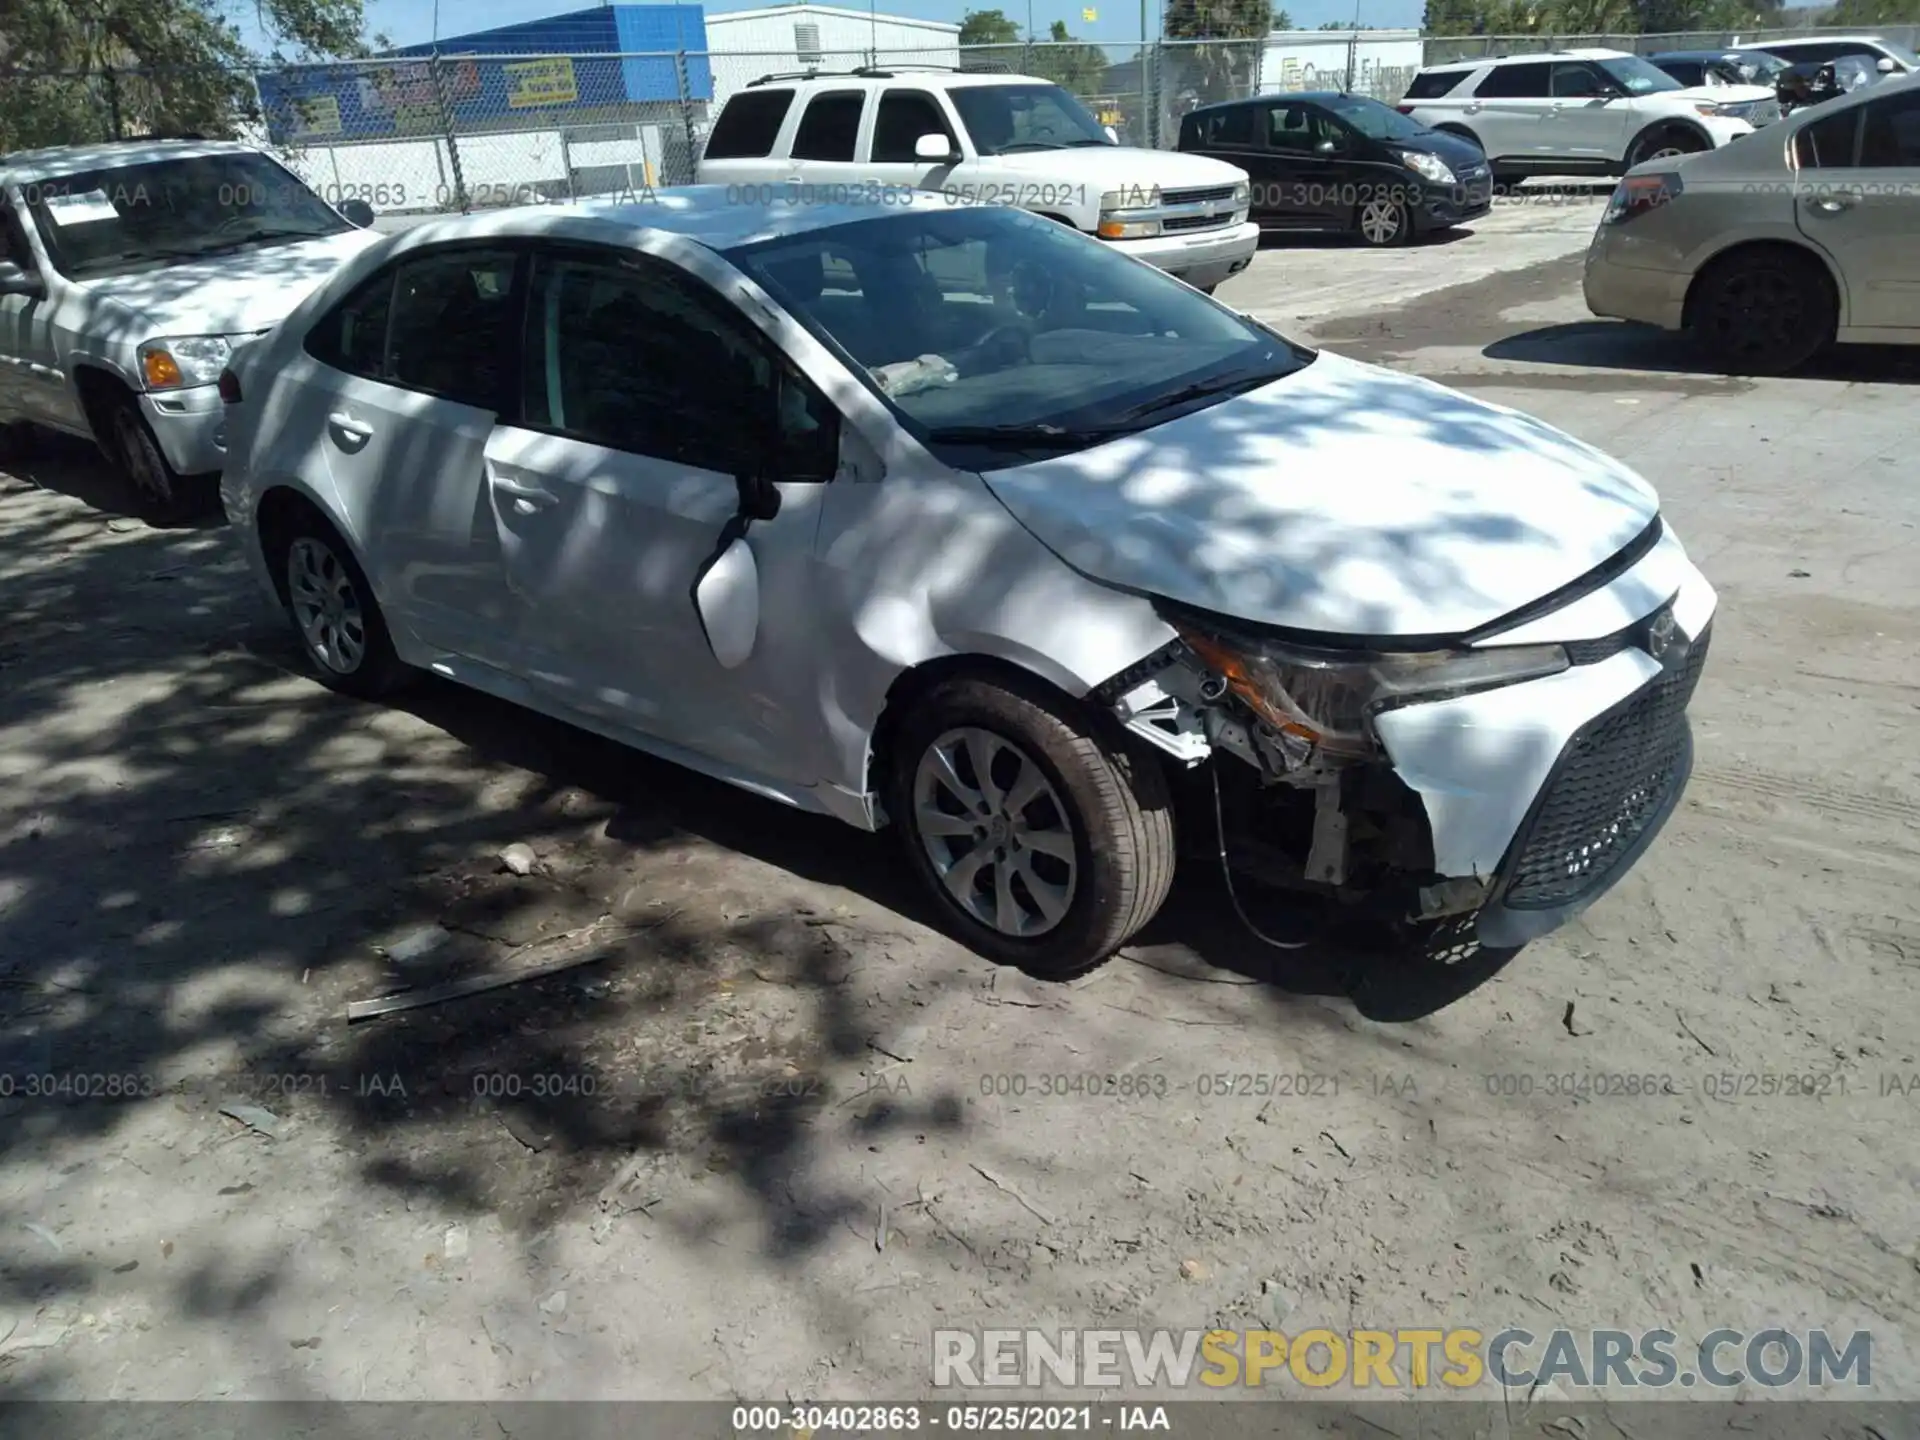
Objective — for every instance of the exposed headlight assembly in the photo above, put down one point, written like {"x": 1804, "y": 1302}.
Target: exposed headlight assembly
{"x": 1329, "y": 697}
{"x": 188, "y": 360}
{"x": 1428, "y": 167}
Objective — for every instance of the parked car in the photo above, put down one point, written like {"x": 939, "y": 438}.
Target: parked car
{"x": 1582, "y": 112}
{"x": 127, "y": 274}
{"x": 1815, "y": 82}
{"x": 950, "y": 518}
{"x": 1009, "y": 139}
{"x": 1695, "y": 68}
{"x": 1818, "y": 48}
{"x": 1331, "y": 161}
{"x": 1770, "y": 252}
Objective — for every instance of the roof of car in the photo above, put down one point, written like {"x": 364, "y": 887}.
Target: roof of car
{"x": 1592, "y": 54}
{"x": 715, "y": 216}
{"x": 1724, "y": 53}
{"x": 55, "y": 160}
{"x": 1318, "y": 96}
{"x": 922, "y": 74}
{"x": 1821, "y": 39}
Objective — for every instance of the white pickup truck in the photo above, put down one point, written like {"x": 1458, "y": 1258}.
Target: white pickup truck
{"x": 1010, "y": 139}
{"x": 129, "y": 272}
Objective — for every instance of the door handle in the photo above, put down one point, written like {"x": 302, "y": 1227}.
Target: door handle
{"x": 349, "y": 426}
{"x": 1832, "y": 204}
{"x": 527, "y": 497}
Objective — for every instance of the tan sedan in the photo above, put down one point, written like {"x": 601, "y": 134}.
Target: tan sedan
{"x": 1776, "y": 246}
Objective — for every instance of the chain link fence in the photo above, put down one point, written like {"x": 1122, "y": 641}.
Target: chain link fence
{"x": 414, "y": 134}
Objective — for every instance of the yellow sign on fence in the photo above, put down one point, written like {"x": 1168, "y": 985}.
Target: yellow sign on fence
{"x": 319, "y": 115}
{"x": 533, "y": 83}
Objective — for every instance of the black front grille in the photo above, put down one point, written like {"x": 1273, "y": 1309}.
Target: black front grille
{"x": 1212, "y": 196}
{"x": 1194, "y": 222}
{"x": 1613, "y": 780}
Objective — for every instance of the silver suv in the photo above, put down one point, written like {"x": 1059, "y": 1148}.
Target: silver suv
{"x": 1579, "y": 112}
{"x": 128, "y": 273}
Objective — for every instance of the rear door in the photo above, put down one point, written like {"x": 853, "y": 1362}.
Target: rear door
{"x": 1588, "y": 116}
{"x": 1509, "y": 109}
{"x": 1858, "y": 197}
{"x": 411, "y": 372}
{"x": 1234, "y": 133}
{"x": 826, "y": 144}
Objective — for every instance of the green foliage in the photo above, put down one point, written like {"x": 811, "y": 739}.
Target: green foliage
{"x": 988, "y": 27}
{"x": 78, "y": 70}
{"x": 1867, "y": 14}
{"x": 1070, "y": 63}
{"x": 1605, "y": 17}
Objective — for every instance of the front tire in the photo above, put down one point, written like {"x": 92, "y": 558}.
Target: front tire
{"x": 334, "y": 614}
{"x": 1666, "y": 145}
{"x": 1383, "y": 222}
{"x": 1765, "y": 313}
{"x": 1045, "y": 843}
{"x": 161, "y": 494}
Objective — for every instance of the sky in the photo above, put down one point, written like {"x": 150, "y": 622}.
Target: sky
{"x": 408, "y": 22}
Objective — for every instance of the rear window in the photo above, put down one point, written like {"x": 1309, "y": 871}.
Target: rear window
{"x": 749, "y": 124}
{"x": 1432, "y": 84}
{"x": 1220, "y": 127}
{"x": 829, "y": 126}
{"x": 1516, "y": 81}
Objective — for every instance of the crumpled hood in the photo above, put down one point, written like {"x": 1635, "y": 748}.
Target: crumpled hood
{"x": 226, "y": 294}
{"x": 1345, "y": 499}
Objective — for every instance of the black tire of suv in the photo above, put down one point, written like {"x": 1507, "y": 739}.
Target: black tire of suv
{"x": 1681, "y": 141}
{"x": 1763, "y": 312}
{"x": 1116, "y": 803}
{"x": 161, "y": 495}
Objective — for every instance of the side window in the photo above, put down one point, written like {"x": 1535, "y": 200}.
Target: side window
{"x": 1686, "y": 72}
{"x": 904, "y": 116}
{"x": 633, "y": 355}
{"x": 1232, "y": 127}
{"x": 353, "y": 335}
{"x": 1299, "y": 129}
{"x": 13, "y": 240}
{"x": 749, "y": 124}
{"x": 1515, "y": 82}
{"x": 1578, "y": 80}
{"x": 1890, "y": 132}
{"x": 454, "y": 327}
{"x": 829, "y": 126}
{"x": 1432, "y": 84}
{"x": 1827, "y": 144}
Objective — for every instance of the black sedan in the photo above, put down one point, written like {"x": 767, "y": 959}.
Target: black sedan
{"x": 1323, "y": 160}
{"x": 1723, "y": 67}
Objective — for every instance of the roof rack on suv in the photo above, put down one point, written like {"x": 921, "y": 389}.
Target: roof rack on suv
{"x": 862, "y": 72}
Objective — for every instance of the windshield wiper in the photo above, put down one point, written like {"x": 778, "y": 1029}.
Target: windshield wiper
{"x": 1200, "y": 390}
{"x": 1026, "y": 437}
{"x": 255, "y": 237}
{"x": 1019, "y": 145}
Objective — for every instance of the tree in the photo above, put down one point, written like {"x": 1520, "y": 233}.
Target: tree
{"x": 1224, "y": 68}
{"x": 988, "y": 27}
{"x": 1864, "y": 14}
{"x": 77, "y": 70}
{"x": 1072, "y": 64}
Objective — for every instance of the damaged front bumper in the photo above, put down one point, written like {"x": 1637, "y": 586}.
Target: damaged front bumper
{"x": 1537, "y": 796}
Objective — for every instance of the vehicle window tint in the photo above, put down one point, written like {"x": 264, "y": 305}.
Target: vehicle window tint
{"x": 1432, "y": 84}
{"x": 1890, "y": 132}
{"x": 1578, "y": 80}
{"x": 454, "y": 327}
{"x": 1234, "y": 126}
{"x": 748, "y": 125}
{"x": 1298, "y": 128}
{"x": 1810, "y": 54}
{"x": 633, "y": 356}
{"x": 353, "y": 335}
{"x": 1515, "y": 82}
{"x": 829, "y": 126}
{"x": 1827, "y": 143}
{"x": 1685, "y": 71}
{"x": 904, "y": 116}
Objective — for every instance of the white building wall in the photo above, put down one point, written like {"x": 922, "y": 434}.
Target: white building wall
{"x": 1384, "y": 61}
{"x": 747, "y": 44}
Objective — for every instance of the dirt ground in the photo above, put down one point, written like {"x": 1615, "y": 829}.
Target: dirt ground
{"x": 781, "y": 1129}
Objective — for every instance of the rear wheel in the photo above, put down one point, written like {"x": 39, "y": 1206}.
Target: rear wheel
{"x": 1764, "y": 312}
{"x": 1044, "y": 843}
{"x": 333, "y": 610}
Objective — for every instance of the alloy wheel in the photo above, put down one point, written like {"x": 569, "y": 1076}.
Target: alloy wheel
{"x": 326, "y": 607}
{"x": 998, "y": 835}
{"x": 1380, "y": 222}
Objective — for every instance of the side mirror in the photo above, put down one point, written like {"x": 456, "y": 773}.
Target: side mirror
{"x": 16, "y": 281}
{"x": 1113, "y": 135}
{"x": 357, "y": 212}
{"x": 1328, "y": 147}
{"x": 759, "y": 500}
{"x": 933, "y": 147}
{"x": 1884, "y": 65}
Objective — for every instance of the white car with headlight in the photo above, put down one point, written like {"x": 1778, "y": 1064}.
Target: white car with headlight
{"x": 128, "y": 272}
{"x": 950, "y": 518}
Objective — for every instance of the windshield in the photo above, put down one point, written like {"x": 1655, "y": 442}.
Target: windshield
{"x": 1899, "y": 52}
{"x": 1754, "y": 67}
{"x": 106, "y": 221}
{"x": 1376, "y": 121}
{"x": 992, "y": 333}
{"x": 1638, "y": 76}
{"x": 1006, "y": 119}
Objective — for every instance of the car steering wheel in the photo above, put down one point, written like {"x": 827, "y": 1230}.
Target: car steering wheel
{"x": 1000, "y": 348}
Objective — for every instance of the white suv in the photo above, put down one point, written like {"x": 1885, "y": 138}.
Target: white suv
{"x": 1581, "y": 111}
{"x": 129, "y": 271}
{"x": 1887, "y": 56}
{"x": 1011, "y": 139}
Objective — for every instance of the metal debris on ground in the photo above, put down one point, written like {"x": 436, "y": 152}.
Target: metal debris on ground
{"x": 265, "y": 1122}
{"x": 1000, "y": 1184}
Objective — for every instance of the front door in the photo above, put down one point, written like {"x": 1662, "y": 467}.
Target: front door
{"x": 33, "y": 380}
{"x": 1858, "y": 198}
{"x": 1308, "y": 162}
{"x": 616, "y": 487}
{"x": 901, "y": 118}
{"x": 1588, "y": 117}
{"x": 412, "y": 371}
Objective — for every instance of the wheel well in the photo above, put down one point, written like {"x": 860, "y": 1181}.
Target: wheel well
{"x": 910, "y": 685}
{"x": 1463, "y": 132}
{"x": 273, "y": 520}
{"x": 1667, "y": 127}
{"x": 1752, "y": 249}
{"x": 98, "y": 390}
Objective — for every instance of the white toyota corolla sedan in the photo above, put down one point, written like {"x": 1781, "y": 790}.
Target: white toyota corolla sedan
{"x": 948, "y": 517}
